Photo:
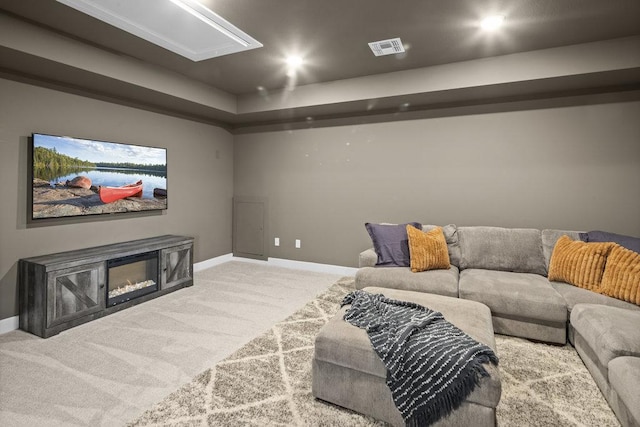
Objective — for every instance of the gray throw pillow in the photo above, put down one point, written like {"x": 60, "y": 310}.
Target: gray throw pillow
{"x": 391, "y": 243}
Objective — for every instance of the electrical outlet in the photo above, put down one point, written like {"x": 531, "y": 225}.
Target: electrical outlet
{"x": 298, "y": 243}
{"x": 276, "y": 241}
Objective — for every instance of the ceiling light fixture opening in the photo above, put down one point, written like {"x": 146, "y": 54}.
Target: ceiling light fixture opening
{"x": 294, "y": 63}
{"x": 491, "y": 23}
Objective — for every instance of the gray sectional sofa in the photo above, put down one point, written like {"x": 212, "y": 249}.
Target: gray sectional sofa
{"x": 506, "y": 269}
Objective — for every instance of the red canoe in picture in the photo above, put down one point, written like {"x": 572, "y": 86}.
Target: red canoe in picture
{"x": 111, "y": 194}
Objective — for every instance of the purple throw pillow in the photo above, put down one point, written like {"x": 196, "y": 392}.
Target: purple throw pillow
{"x": 391, "y": 243}
{"x": 628, "y": 242}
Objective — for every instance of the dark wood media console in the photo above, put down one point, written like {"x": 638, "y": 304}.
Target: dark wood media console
{"x": 63, "y": 290}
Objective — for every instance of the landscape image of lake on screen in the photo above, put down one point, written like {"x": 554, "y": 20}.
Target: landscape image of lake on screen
{"x": 76, "y": 176}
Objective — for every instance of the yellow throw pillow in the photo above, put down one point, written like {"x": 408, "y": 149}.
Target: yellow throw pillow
{"x": 621, "y": 277}
{"x": 427, "y": 250}
{"x": 579, "y": 263}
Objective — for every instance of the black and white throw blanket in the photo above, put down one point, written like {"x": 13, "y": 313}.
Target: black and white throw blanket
{"x": 432, "y": 366}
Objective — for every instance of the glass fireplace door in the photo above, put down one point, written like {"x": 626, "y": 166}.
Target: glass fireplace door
{"x": 131, "y": 277}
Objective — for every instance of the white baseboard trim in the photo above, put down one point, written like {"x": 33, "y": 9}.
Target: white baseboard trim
{"x": 9, "y": 324}
{"x": 280, "y": 262}
{"x": 312, "y": 266}
{"x": 202, "y": 265}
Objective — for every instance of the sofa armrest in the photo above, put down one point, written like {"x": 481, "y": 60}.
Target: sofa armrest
{"x": 367, "y": 258}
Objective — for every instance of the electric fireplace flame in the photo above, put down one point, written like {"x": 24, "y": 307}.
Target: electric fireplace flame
{"x": 131, "y": 277}
{"x": 130, "y": 287}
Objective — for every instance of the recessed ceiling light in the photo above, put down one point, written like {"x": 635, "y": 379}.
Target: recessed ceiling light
{"x": 294, "y": 62}
{"x": 492, "y": 22}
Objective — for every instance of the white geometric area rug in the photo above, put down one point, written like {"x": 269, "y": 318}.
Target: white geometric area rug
{"x": 268, "y": 382}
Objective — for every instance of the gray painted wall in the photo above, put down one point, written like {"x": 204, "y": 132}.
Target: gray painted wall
{"x": 570, "y": 167}
{"x": 200, "y": 182}
{"x": 574, "y": 166}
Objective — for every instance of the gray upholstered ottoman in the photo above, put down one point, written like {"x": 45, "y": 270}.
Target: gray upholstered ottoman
{"x": 348, "y": 373}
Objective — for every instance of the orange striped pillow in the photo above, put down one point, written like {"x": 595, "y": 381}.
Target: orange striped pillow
{"x": 621, "y": 277}
{"x": 579, "y": 263}
{"x": 427, "y": 250}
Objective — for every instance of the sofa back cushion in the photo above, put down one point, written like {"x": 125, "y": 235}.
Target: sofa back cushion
{"x": 503, "y": 249}
{"x": 549, "y": 239}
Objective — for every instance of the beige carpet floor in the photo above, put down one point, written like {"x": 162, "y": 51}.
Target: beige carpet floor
{"x": 109, "y": 371}
{"x": 268, "y": 383}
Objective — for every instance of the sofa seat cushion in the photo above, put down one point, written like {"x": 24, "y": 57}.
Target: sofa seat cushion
{"x": 340, "y": 343}
{"x": 503, "y": 249}
{"x": 441, "y": 282}
{"x": 519, "y": 296}
{"x": 609, "y": 332}
{"x": 574, "y": 295}
{"x": 624, "y": 376}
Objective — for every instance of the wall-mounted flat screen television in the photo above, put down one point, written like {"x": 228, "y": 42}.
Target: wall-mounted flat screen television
{"x": 75, "y": 177}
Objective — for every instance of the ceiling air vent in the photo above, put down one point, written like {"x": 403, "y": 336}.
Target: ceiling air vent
{"x": 387, "y": 47}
